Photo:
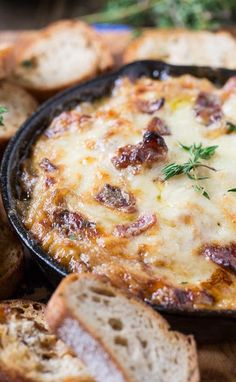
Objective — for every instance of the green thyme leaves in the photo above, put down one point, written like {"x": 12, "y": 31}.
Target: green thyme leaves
{"x": 26, "y": 63}
{"x": 3, "y": 110}
{"x": 232, "y": 190}
{"x": 231, "y": 127}
{"x": 29, "y": 63}
{"x": 197, "y": 154}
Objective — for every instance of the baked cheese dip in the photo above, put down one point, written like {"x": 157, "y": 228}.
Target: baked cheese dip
{"x": 140, "y": 186}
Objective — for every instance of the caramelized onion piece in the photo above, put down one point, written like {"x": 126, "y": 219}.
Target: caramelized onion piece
{"x": 150, "y": 107}
{"x": 72, "y": 223}
{"x": 134, "y": 229}
{"x": 208, "y": 108}
{"x": 157, "y": 125}
{"x": 152, "y": 149}
{"x": 49, "y": 181}
{"x": 114, "y": 197}
{"x": 186, "y": 297}
{"x": 224, "y": 256}
{"x": 177, "y": 298}
{"x": 47, "y": 166}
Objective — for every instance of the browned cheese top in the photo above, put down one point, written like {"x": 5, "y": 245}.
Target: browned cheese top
{"x": 95, "y": 196}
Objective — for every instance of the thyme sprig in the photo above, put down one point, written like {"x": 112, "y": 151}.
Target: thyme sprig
{"x": 197, "y": 153}
{"x": 3, "y": 110}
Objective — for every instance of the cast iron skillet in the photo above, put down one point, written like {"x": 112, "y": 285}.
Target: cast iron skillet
{"x": 205, "y": 325}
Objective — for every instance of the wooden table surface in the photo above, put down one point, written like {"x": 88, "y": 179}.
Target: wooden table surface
{"x": 217, "y": 362}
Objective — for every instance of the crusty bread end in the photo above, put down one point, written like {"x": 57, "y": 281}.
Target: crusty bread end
{"x": 65, "y": 53}
{"x": 29, "y": 353}
{"x": 11, "y": 260}
{"x": 120, "y": 338}
{"x": 19, "y": 104}
{"x": 6, "y": 62}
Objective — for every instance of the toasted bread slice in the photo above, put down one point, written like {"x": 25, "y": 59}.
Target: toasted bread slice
{"x": 19, "y": 104}
{"x": 184, "y": 47}
{"x": 29, "y": 353}
{"x": 6, "y": 62}
{"x": 120, "y": 338}
{"x": 65, "y": 53}
{"x": 11, "y": 259}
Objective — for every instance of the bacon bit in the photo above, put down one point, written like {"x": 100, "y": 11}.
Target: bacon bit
{"x": 208, "y": 108}
{"x": 184, "y": 297}
{"x": 48, "y": 166}
{"x": 150, "y": 150}
{"x": 49, "y": 181}
{"x": 73, "y": 222}
{"x": 224, "y": 256}
{"x": 114, "y": 197}
{"x": 157, "y": 125}
{"x": 179, "y": 298}
{"x": 150, "y": 107}
{"x": 139, "y": 226}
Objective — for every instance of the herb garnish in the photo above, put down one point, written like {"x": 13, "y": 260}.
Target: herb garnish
{"x": 197, "y": 153}
{"x": 231, "y": 127}
{"x": 27, "y": 63}
{"x": 3, "y": 110}
{"x": 232, "y": 190}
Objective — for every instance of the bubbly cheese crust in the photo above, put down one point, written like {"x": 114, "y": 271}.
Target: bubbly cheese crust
{"x": 94, "y": 196}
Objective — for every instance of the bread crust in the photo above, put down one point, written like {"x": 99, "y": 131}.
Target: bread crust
{"x": 14, "y": 97}
{"x": 34, "y": 311}
{"x": 62, "y": 321}
{"x": 11, "y": 279}
{"x": 6, "y": 63}
{"x": 26, "y": 43}
{"x": 7, "y": 374}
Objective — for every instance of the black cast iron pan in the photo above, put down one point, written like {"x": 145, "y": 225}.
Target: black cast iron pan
{"x": 205, "y": 325}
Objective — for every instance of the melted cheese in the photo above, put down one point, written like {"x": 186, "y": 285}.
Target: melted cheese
{"x": 170, "y": 251}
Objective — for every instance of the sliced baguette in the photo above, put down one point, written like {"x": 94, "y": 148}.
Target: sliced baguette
{"x": 29, "y": 353}
{"x": 118, "y": 337}
{"x": 19, "y": 104}
{"x": 64, "y": 53}
{"x": 184, "y": 47}
{"x": 11, "y": 259}
{"x": 6, "y": 62}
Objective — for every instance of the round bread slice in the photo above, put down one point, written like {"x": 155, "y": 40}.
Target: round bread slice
{"x": 181, "y": 47}
{"x": 11, "y": 259}
{"x": 64, "y": 53}
{"x": 29, "y": 353}
{"x": 6, "y": 63}
{"x": 120, "y": 338}
{"x": 19, "y": 104}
